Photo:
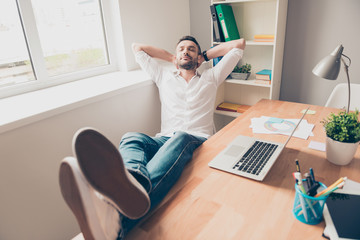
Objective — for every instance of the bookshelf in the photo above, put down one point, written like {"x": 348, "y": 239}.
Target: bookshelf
{"x": 255, "y": 17}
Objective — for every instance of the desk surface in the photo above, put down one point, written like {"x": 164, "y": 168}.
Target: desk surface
{"x": 210, "y": 204}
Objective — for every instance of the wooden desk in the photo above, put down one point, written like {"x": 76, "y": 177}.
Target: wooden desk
{"x": 211, "y": 204}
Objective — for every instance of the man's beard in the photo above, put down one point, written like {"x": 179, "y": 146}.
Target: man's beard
{"x": 189, "y": 65}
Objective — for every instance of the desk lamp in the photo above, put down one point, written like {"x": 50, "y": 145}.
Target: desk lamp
{"x": 329, "y": 67}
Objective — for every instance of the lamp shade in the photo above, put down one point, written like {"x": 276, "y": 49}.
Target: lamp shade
{"x": 329, "y": 66}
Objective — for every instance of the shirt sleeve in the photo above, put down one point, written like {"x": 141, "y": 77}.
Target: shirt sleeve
{"x": 223, "y": 68}
{"x": 149, "y": 65}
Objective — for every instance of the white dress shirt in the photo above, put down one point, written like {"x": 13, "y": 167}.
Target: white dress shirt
{"x": 188, "y": 107}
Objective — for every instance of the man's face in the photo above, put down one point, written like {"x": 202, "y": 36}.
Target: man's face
{"x": 187, "y": 55}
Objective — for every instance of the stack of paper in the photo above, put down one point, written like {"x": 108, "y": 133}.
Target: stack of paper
{"x": 264, "y": 38}
{"x": 271, "y": 125}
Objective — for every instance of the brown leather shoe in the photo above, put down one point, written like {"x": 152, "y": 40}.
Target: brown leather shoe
{"x": 103, "y": 167}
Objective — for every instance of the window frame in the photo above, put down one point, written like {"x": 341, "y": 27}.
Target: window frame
{"x": 109, "y": 12}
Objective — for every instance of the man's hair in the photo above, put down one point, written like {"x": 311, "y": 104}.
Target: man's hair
{"x": 190, "y": 38}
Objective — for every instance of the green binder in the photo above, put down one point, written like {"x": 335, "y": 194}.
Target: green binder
{"x": 227, "y": 22}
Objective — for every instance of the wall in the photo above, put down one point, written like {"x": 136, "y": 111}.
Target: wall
{"x": 200, "y": 19}
{"x": 160, "y": 23}
{"x": 314, "y": 29}
{"x": 31, "y": 203}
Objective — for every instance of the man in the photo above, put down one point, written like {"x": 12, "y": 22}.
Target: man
{"x": 109, "y": 190}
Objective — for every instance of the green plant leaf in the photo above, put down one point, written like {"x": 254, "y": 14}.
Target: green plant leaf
{"x": 343, "y": 127}
{"x": 246, "y": 68}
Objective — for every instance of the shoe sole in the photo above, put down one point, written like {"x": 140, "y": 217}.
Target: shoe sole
{"x": 103, "y": 167}
{"x": 71, "y": 191}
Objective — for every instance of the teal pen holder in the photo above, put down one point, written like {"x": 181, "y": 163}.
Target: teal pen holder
{"x": 309, "y": 209}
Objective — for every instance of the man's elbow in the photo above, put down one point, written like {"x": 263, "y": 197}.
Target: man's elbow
{"x": 136, "y": 47}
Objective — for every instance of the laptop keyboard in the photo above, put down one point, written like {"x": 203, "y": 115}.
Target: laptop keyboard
{"x": 256, "y": 157}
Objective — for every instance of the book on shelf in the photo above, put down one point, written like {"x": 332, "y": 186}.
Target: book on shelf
{"x": 264, "y": 74}
{"x": 218, "y": 35}
{"x": 264, "y": 38}
{"x": 266, "y": 82}
{"x": 227, "y": 22}
{"x": 232, "y": 107}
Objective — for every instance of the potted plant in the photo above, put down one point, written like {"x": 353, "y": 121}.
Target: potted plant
{"x": 243, "y": 72}
{"x": 343, "y": 136}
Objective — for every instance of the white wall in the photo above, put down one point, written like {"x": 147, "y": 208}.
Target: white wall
{"x": 200, "y": 26}
{"x": 31, "y": 203}
{"x": 158, "y": 22}
{"x": 314, "y": 29}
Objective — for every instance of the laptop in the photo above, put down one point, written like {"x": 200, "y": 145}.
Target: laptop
{"x": 250, "y": 157}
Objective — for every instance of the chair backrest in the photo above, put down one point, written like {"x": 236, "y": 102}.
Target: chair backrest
{"x": 339, "y": 96}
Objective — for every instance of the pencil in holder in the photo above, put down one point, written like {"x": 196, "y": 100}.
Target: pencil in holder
{"x": 309, "y": 209}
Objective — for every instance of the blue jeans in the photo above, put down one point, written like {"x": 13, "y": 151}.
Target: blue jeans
{"x": 156, "y": 162}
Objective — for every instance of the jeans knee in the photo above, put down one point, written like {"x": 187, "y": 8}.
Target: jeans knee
{"x": 186, "y": 138}
{"x": 131, "y": 137}
{"x": 182, "y": 136}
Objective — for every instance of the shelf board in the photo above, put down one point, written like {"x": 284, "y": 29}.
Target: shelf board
{"x": 252, "y": 43}
{"x": 226, "y": 113}
{"x": 247, "y": 82}
{"x": 238, "y": 1}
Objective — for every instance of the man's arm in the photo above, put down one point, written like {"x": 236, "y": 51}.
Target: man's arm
{"x": 223, "y": 48}
{"x": 154, "y": 52}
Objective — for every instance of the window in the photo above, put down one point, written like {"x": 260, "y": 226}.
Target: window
{"x": 47, "y": 42}
{"x": 15, "y": 65}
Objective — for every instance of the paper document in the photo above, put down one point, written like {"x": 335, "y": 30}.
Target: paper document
{"x": 317, "y": 146}
{"x": 271, "y": 125}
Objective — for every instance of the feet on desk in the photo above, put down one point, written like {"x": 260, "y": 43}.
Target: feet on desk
{"x": 97, "y": 186}
{"x": 97, "y": 218}
{"x": 103, "y": 167}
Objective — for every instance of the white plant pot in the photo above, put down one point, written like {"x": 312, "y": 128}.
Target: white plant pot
{"x": 340, "y": 153}
{"x": 241, "y": 76}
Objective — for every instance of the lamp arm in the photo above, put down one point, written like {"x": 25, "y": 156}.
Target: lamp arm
{"x": 346, "y": 67}
{"x": 347, "y": 58}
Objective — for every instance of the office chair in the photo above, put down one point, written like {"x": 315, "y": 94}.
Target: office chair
{"x": 339, "y": 96}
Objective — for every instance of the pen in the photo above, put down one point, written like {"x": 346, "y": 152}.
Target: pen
{"x": 312, "y": 175}
{"x": 303, "y": 208}
{"x": 308, "y": 181}
{"x": 342, "y": 179}
{"x": 295, "y": 177}
{"x": 301, "y": 187}
{"x": 297, "y": 165}
{"x": 341, "y": 185}
{"x": 298, "y": 178}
